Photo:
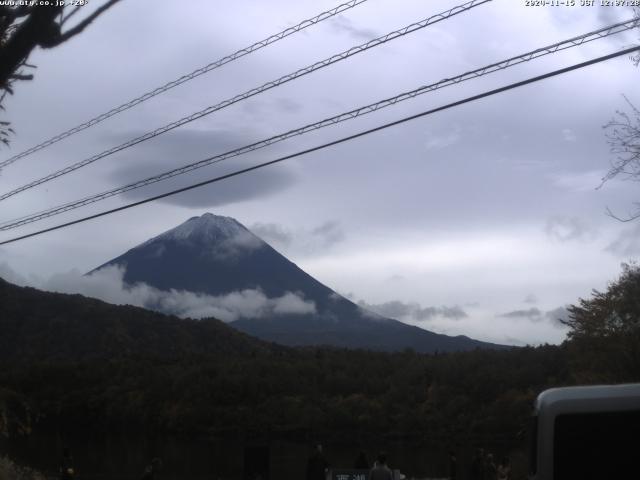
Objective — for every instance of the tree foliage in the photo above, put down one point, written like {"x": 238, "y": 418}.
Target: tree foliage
{"x": 605, "y": 331}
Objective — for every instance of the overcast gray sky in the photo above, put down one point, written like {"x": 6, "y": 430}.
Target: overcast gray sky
{"x": 481, "y": 220}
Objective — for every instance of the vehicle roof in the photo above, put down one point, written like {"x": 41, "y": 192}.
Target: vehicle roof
{"x": 555, "y": 396}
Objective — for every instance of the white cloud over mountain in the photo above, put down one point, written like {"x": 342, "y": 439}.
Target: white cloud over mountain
{"x": 107, "y": 284}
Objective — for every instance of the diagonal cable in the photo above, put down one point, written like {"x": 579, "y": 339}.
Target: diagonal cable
{"x": 329, "y": 144}
{"x": 563, "y": 45}
{"x": 185, "y": 78}
{"x": 254, "y": 91}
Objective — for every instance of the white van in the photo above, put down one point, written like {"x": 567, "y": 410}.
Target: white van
{"x": 586, "y": 433}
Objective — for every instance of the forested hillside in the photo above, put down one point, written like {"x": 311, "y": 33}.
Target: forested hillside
{"x": 68, "y": 362}
{"x": 44, "y": 326}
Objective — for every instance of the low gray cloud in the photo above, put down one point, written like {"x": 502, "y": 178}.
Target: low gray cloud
{"x": 11, "y": 276}
{"x": 533, "y": 314}
{"x": 393, "y": 309}
{"x": 319, "y": 238}
{"x": 235, "y": 247}
{"x": 536, "y": 315}
{"x": 397, "y": 309}
{"x": 181, "y": 144}
{"x": 427, "y": 313}
{"x": 531, "y": 298}
{"x": 183, "y": 147}
{"x": 396, "y": 278}
{"x": 513, "y": 340}
{"x": 557, "y": 315}
{"x": 329, "y": 233}
{"x": 569, "y": 135}
{"x": 287, "y": 105}
{"x": 348, "y": 295}
{"x": 444, "y": 140}
{"x": 344, "y": 25}
{"x": 272, "y": 233}
{"x": 233, "y": 190}
{"x": 564, "y": 229}
{"x": 455, "y": 312}
{"x": 627, "y": 243}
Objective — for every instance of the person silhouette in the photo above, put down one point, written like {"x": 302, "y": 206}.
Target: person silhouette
{"x": 66, "y": 469}
{"x": 477, "y": 465}
{"x": 490, "y": 469}
{"x": 317, "y": 465}
{"x": 151, "y": 470}
{"x": 453, "y": 465}
{"x": 504, "y": 469}
{"x": 380, "y": 470}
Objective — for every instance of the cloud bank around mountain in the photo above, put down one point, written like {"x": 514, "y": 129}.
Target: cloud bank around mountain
{"x": 535, "y": 315}
{"x": 107, "y": 284}
{"x": 299, "y": 240}
{"x": 397, "y": 309}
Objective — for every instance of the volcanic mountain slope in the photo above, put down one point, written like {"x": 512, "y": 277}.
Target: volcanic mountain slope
{"x": 217, "y": 256}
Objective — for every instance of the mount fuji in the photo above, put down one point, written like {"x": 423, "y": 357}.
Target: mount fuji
{"x": 218, "y": 258}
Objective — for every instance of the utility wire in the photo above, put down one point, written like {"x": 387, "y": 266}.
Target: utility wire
{"x": 185, "y": 78}
{"x": 254, "y": 91}
{"x": 572, "y": 42}
{"x": 335, "y": 142}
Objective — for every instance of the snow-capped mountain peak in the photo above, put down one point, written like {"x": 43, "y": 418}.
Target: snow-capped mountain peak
{"x": 207, "y": 229}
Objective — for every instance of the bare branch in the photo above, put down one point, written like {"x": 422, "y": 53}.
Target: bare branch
{"x": 41, "y": 26}
{"x": 629, "y": 218}
{"x": 63, "y": 37}
{"x": 623, "y": 136}
{"x": 71, "y": 14}
{"x": 20, "y": 76}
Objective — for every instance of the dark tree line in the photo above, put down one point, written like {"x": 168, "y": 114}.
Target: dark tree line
{"x": 338, "y": 394}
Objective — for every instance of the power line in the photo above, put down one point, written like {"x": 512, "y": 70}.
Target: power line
{"x": 335, "y": 142}
{"x": 254, "y": 91}
{"x": 185, "y": 78}
{"x": 563, "y": 45}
